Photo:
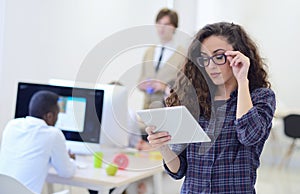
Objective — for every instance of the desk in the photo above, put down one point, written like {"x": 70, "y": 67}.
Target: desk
{"x": 96, "y": 179}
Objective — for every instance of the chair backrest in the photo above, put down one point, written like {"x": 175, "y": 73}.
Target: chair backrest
{"x": 10, "y": 185}
{"x": 292, "y": 125}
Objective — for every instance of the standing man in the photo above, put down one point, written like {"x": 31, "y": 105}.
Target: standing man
{"x": 161, "y": 62}
{"x": 30, "y": 145}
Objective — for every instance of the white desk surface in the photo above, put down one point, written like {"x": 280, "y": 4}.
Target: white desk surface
{"x": 96, "y": 178}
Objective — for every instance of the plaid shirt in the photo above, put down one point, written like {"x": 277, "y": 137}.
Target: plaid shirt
{"x": 228, "y": 164}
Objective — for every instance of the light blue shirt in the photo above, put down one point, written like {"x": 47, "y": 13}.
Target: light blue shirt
{"x": 29, "y": 148}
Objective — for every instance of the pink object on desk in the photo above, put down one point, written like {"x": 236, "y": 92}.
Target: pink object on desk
{"x": 121, "y": 160}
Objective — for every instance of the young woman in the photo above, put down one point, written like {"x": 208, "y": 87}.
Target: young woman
{"x": 233, "y": 103}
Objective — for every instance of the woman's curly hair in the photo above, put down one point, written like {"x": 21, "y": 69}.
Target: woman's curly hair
{"x": 193, "y": 87}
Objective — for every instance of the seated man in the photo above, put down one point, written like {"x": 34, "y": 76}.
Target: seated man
{"x": 30, "y": 145}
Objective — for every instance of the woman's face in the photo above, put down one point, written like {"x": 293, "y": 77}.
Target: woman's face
{"x": 219, "y": 74}
{"x": 165, "y": 29}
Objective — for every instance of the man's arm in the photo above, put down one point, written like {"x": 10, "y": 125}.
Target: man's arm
{"x": 63, "y": 164}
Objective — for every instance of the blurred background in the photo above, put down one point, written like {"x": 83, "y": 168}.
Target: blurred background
{"x": 43, "y": 40}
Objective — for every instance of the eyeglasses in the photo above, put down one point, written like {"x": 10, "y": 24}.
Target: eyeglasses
{"x": 218, "y": 59}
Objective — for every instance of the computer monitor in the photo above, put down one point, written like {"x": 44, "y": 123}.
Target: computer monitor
{"x": 80, "y": 115}
{"x": 115, "y": 118}
{"x": 115, "y": 123}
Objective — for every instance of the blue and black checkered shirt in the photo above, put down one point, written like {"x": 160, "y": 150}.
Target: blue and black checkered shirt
{"x": 228, "y": 164}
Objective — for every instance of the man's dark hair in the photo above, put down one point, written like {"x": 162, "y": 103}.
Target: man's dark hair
{"x": 41, "y": 103}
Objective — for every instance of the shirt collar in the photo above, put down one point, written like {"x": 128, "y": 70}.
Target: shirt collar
{"x": 35, "y": 120}
{"x": 171, "y": 44}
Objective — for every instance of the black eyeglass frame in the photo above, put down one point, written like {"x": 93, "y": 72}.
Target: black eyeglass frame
{"x": 198, "y": 60}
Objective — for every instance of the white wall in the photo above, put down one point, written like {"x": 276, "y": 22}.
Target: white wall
{"x": 186, "y": 13}
{"x": 274, "y": 25}
{"x": 2, "y": 12}
{"x": 50, "y": 39}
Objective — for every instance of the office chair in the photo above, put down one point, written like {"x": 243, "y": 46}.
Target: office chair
{"x": 291, "y": 129}
{"x": 11, "y": 185}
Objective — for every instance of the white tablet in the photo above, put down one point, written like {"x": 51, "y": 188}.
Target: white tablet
{"x": 178, "y": 121}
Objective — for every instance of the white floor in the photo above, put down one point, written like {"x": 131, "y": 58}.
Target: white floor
{"x": 270, "y": 178}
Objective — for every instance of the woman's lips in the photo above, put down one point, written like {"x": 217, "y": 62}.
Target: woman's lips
{"x": 214, "y": 75}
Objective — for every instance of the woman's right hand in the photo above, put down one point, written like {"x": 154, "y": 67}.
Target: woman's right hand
{"x": 157, "y": 139}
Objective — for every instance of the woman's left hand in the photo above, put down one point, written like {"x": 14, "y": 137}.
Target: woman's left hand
{"x": 240, "y": 64}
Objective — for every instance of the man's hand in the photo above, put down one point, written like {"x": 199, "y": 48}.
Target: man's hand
{"x": 71, "y": 155}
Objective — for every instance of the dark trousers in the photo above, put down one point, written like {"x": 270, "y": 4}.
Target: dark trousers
{"x": 96, "y": 192}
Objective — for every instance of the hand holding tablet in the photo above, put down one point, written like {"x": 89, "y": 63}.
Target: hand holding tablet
{"x": 177, "y": 121}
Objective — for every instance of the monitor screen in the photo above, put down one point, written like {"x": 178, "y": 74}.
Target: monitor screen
{"x": 80, "y": 110}
{"x": 115, "y": 127}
